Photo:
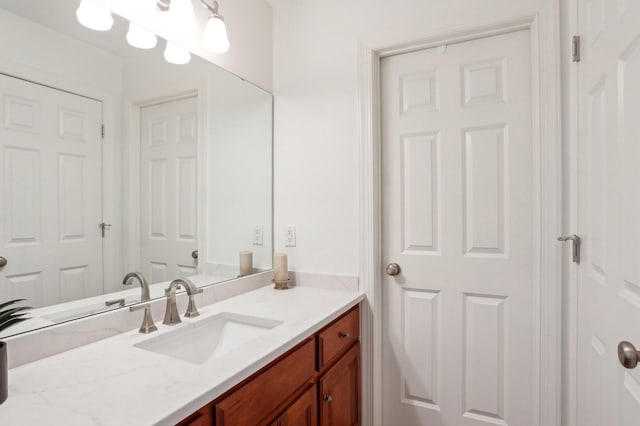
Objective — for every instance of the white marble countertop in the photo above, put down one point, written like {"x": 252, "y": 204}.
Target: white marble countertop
{"x": 111, "y": 382}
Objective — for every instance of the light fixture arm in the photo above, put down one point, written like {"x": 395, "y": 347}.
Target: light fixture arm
{"x": 212, "y": 8}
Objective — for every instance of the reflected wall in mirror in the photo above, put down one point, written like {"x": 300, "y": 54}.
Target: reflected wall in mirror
{"x": 114, "y": 160}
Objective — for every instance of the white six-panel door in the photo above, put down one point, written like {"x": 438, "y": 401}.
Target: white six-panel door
{"x": 168, "y": 193}
{"x": 50, "y": 194}
{"x": 608, "y": 303}
{"x": 459, "y": 321}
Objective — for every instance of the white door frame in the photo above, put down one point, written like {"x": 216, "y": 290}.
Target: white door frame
{"x": 571, "y": 186}
{"x": 546, "y": 131}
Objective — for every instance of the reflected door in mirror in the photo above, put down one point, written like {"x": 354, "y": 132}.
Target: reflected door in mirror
{"x": 168, "y": 193}
{"x": 50, "y": 203}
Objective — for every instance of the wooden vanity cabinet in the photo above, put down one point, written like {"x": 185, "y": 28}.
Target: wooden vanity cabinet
{"x": 315, "y": 383}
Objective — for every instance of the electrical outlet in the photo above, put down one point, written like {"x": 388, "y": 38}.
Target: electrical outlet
{"x": 257, "y": 235}
{"x": 290, "y": 239}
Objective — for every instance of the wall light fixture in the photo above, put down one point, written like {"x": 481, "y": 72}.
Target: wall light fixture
{"x": 177, "y": 15}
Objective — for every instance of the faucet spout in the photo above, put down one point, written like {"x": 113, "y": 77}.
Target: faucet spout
{"x": 129, "y": 279}
{"x": 171, "y": 313}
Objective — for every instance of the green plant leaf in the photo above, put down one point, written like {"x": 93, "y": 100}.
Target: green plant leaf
{"x": 11, "y": 322}
{"x": 12, "y": 316}
{"x": 11, "y": 302}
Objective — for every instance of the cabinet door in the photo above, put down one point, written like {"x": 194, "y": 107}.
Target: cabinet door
{"x": 340, "y": 391}
{"x": 303, "y": 412}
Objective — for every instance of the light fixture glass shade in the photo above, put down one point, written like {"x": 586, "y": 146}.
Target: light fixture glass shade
{"x": 176, "y": 54}
{"x": 215, "y": 36}
{"x": 94, "y": 16}
{"x": 140, "y": 37}
{"x": 183, "y": 21}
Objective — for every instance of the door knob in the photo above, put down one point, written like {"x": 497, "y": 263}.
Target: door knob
{"x": 194, "y": 254}
{"x": 3, "y": 262}
{"x": 393, "y": 269}
{"x": 628, "y": 355}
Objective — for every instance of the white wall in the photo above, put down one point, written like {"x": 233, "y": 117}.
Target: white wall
{"x": 249, "y": 26}
{"x": 316, "y": 110}
{"x": 239, "y": 172}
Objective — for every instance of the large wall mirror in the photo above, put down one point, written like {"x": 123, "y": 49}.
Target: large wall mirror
{"x": 113, "y": 160}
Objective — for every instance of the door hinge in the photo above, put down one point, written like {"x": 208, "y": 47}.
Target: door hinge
{"x": 575, "y": 49}
{"x": 102, "y": 131}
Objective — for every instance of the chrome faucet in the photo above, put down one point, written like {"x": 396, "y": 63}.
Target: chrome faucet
{"x": 171, "y": 315}
{"x": 130, "y": 277}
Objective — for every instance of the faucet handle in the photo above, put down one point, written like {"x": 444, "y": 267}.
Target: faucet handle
{"x": 148, "y": 325}
{"x": 172, "y": 289}
{"x": 139, "y": 306}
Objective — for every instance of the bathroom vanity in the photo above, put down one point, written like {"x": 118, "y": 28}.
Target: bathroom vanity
{"x": 302, "y": 367}
{"x": 318, "y": 379}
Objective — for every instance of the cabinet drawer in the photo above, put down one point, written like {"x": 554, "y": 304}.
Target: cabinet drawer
{"x": 336, "y": 338}
{"x": 256, "y": 399}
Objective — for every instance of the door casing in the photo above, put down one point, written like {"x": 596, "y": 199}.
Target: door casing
{"x": 546, "y": 130}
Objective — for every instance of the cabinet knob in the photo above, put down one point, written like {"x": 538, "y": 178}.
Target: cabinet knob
{"x": 327, "y": 398}
{"x": 345, "y": 335}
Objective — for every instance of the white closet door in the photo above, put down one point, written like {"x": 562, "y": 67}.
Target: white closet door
{"x": 608, "y": 303}
{"x": 459, "y": 322}
{"x": 51, "y": 194}
{"x": 169, "y": 135}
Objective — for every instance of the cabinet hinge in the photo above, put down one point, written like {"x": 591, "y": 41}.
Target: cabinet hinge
{"x": 575, "y": 49}
{"x": 102, "y": 131}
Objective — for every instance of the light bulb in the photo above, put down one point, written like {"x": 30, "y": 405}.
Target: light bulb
{"x": 183, "y": 21}
{"x": 141, "y": 38}
{"x": 176, "y": 54}
{"x": 215, "y": 35}
{"x": 94, "y": 16}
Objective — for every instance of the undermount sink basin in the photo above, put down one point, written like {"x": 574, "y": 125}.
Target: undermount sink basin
{"x": 197, "y": 342}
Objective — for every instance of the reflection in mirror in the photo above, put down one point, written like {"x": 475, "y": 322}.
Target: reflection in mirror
{"x": 115, "y": 161}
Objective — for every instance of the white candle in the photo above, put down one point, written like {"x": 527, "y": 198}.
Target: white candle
{"x": 246, "y": 263}
{"x": 280, "y": 271}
